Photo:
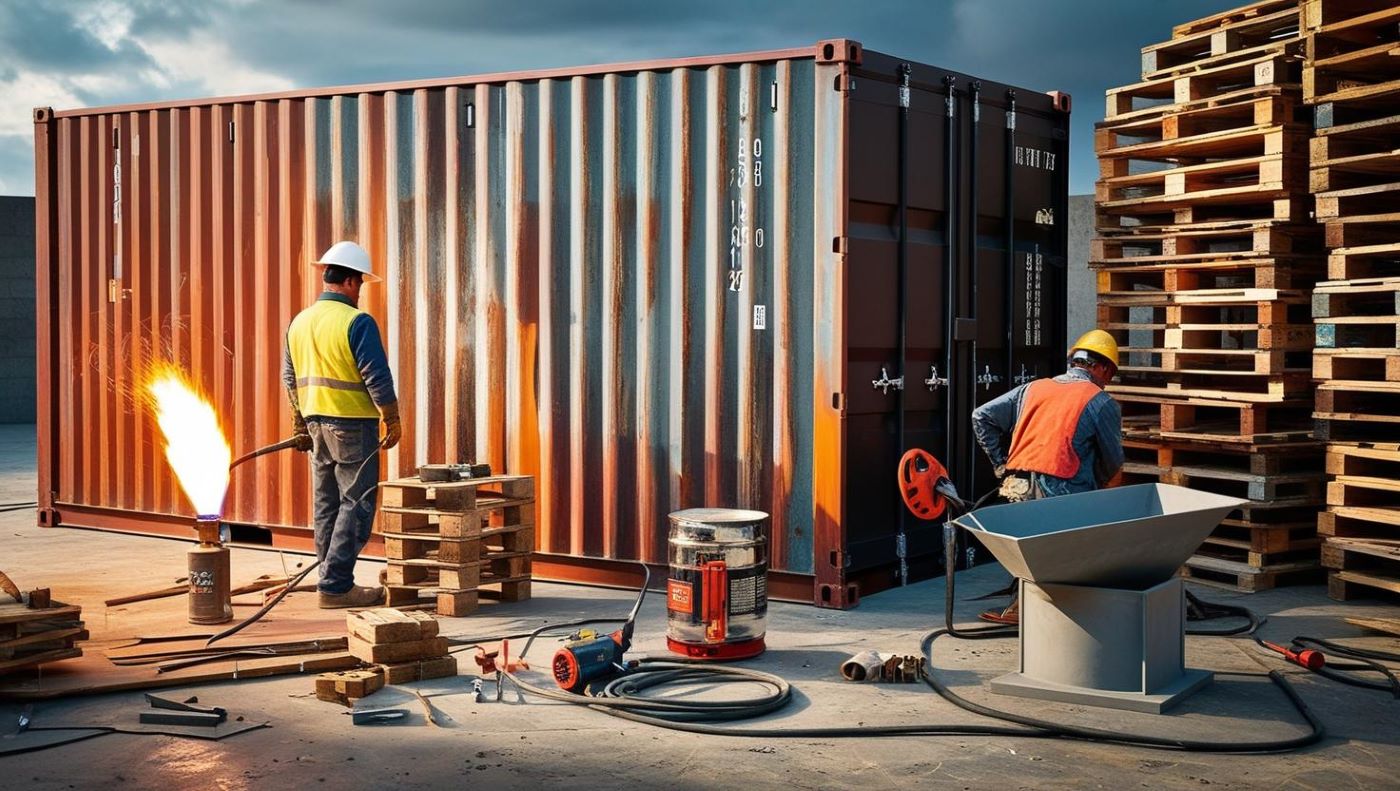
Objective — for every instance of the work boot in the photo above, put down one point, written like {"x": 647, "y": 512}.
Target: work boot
{"x": 1011, "y": 616}
{"x": 357, "y": 596}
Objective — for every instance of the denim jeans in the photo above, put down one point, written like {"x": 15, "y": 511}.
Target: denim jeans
{"x": 344, "y": 466}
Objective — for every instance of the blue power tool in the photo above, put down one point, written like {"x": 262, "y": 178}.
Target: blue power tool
{"x": 591, "y": 655}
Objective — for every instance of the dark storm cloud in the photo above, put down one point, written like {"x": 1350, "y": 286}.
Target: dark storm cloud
{"x": 47, "y": 37}
{"x": 1079, "y": 46}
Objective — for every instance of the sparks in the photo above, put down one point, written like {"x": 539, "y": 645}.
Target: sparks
{"x": 195, "y": 444}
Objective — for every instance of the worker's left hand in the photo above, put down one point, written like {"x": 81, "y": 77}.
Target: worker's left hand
{"x": 393, "y": 430}
{"x": 999, "y": 471}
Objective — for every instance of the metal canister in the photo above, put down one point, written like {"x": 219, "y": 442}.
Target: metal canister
{"x": 717, "y": 593}
{"x": 209, "y": 597}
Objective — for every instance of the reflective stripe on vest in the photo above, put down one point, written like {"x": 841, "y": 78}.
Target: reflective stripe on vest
{"x": 328, "y": 379}
{"x": 1043, "y": 441}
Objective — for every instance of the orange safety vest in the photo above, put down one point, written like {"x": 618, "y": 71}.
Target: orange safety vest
{"x": 1043, "y": 440}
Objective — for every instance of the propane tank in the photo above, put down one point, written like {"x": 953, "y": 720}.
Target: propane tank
{"x": 209, "y": 597}
{"x": 717, "y": 593}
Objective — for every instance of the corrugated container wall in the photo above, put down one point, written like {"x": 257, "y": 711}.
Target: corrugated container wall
{"x": 653, "y": 286}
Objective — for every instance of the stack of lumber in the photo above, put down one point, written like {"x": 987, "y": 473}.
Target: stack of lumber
{"x": 1205, "y": 256}
{"x": 455, "y": 542}
{"x": 403, "y": 646}
{"x": 1351, "y": 79}
{"x": 36, "y": 630}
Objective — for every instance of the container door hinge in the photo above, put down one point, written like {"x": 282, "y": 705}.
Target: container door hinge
{"x": 987, "y": 378}
{"x": 976, "y": 101}
{"x": 884, "y": 383}
{"x": 773, "y": 96}
{"x": 934, "y": 381}
{"x": 1011, "y": 110}
{"x": 948, "y": 103}
{"x": 115, "y": 292}
{"x": 1023, "y": 377}
{"x": 904, "y": 71}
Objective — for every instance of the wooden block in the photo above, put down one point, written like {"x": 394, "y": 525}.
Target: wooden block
{"x": 366, "y": 651}
{"x": 387, "y": 625}
{"x": 405, "y": 672}
{"x": 461, "y": 578}
{"x": 346, "y": 685}
{"x": 457, "y": 603}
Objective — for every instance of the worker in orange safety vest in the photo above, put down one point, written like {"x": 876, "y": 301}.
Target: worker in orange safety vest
{"x": 1057, "y": 435}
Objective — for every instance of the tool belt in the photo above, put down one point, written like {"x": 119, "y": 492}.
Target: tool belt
{"x": 1018, "y": 487}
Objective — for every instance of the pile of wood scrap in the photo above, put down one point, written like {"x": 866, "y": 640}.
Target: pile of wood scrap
{"x": 34, "y": 629}
{"x": 406, "y": 645}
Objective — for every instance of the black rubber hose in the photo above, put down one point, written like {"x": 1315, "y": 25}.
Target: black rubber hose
{"x": 1363, "y": 660}
{"x": 252, "y": 619}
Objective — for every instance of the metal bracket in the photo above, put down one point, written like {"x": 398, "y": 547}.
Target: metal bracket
{"x": 884, "y": 383}
{"x": 950, "y": 81}
{"x": 1023, "y": 377}
{"x": 904, "y": 70}
{"x": 934, "y": 381}
{"x": 987, "y": 378}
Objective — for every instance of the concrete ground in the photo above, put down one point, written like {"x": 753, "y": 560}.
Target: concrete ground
{"x": 526, "y": 742}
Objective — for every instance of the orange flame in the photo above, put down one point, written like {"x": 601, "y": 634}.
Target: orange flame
{"x": 195, "y": 444}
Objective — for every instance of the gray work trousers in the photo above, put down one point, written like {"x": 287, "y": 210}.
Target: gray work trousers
{"x": 344, "y": 468}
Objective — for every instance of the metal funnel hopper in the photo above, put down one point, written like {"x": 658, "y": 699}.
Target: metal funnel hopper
{"x": 1131, "y": 537}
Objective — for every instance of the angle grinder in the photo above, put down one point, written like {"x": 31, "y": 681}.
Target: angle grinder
{"x": 589, "y": 655}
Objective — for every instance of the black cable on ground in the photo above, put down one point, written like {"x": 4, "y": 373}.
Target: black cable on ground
{"x": 1363, "y": 660}
{"x": 252, "y": 619}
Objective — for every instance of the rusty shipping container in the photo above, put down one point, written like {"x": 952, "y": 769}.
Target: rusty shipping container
{"x": 652, "y": 285}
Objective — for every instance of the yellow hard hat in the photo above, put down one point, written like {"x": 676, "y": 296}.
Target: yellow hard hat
{"x": 1098, "y": 342}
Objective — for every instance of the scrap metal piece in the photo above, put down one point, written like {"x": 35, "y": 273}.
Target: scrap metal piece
{"x": 377, "y": 716}
{"x": 206, "y": 719}
{"x": 157, "y": 702}
{"x": 8, "y": 586}
{"x": 448, "y": 473}
{"x": 26, "y": 716}
{"x": 864, "y": 666}
{"x": 476, "y": 690}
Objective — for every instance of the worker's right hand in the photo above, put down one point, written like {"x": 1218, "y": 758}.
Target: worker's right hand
{"x": 300, "y": 433}
{"x": 393, "y": 430}
{"x": 999, "y": 471}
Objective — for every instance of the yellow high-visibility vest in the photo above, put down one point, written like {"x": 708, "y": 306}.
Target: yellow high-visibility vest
{"x": 328, "y": 380}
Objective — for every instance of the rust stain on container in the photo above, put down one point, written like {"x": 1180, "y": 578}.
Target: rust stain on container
{"x": 654, "y": 286}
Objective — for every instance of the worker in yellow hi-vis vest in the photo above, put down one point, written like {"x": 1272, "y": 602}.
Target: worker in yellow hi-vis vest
{"x": 1057, "y": 435}
{"x": 337, "y": 376}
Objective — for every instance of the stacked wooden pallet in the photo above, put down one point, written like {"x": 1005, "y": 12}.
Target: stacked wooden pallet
{"x": 37, "y": 630}
{"x": 454, "y": 542}
{"x": 1205, "y": 257}
{"x": 1352, "y": 80}
{"x": 402, "y": 647}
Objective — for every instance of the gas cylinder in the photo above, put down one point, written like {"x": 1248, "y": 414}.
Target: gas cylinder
{"x": 717, "y": 593}
{"x": 209, "y": 597}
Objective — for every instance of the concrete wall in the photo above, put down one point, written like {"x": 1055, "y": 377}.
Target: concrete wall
{"x": 16, "y": 310}
{"x": 1080, "y": 315}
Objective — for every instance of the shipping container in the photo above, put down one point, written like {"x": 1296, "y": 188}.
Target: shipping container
{"x": 740, "y": 281}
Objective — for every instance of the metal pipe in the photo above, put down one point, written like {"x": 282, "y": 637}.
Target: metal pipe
{"x": 290, "y": 442}
{"x": 1009, "y": 217}
{"x": 975, "y": 95}
{"x": 902, "y": 265}
{"x": 950, "y": 279}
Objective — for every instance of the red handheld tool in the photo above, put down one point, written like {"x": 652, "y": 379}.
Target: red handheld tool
{"x": 1308, "y": 658}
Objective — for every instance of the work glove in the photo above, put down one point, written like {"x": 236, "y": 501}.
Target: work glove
{"x": 999, "y": 471}
{"x": 300, "y": 432}
{"x": 393, "y": 430}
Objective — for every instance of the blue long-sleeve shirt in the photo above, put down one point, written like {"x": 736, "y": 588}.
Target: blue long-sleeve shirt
{"x": 1098, "y": 439}
{"x": 370, "y": 356}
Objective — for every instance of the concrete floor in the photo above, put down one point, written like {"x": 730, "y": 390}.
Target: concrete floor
{"x": 530, "y": 743}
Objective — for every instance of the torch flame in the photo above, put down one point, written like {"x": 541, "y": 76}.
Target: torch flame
{"x": 195, "y": 444}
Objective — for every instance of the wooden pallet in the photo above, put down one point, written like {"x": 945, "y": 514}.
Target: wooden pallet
{"x": 1264, "y": 30}
{"x": 1375, "y": 260}
{"x": 34, "y": 635}
{"x": 1266, "y": 107}
{"x": 446, "y": 541}
{"x": 1361, "y": 566}
{"x": 1348, "y": 521}
{"x": 1243, "y": 243}
{"x": 1218, "y": 419}
{"x": 1233, "y": 16}
{"x": 1176, "y": 92}
{"x": 1354, "y": 155}
{"x": 1348, "y": 55}
{"x": 1243, "y": 270}
{"x": 1238, "y": 576}
{"x": 1357, "y": 412}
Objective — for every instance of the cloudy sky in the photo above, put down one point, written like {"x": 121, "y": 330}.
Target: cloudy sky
{"x": 71, "y": 53}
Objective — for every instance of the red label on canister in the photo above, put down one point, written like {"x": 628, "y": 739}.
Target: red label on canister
{"x": 678, "y": 596}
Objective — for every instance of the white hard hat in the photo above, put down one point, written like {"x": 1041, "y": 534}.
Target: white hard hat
{"x": 351, "y": 256}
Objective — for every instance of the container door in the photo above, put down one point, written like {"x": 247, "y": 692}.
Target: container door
{"x": 949, "y": 304}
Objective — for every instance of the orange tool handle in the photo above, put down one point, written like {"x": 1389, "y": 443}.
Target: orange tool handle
{"x": 714, "y": 605}
{"x": 1308, "y": 658}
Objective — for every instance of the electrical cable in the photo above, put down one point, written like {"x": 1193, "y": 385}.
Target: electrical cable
{"x": 1363, "y": 660}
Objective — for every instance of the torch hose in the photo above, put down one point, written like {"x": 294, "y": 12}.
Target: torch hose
{"x": 290, "y": 442}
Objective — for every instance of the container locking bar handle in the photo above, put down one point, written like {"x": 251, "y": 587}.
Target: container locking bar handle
{"x": 714, "y": 604}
